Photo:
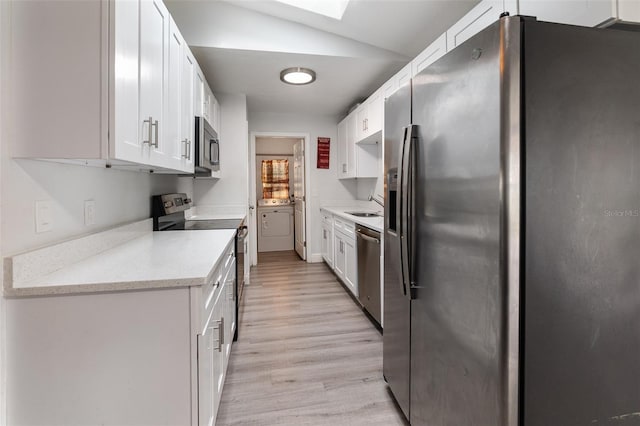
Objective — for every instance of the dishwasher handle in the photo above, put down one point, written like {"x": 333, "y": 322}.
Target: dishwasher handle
{"x": 368, "y": 238}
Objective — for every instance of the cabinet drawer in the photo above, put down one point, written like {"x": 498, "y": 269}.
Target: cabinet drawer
{"x": 345, "y": 227}
{"x": 327, "y": 218}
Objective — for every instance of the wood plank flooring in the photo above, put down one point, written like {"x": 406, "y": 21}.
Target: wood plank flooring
{"x": 306, "y": 353}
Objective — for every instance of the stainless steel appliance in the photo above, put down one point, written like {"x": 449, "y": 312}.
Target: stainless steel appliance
{"x": 168, "y": 215}
{"x": 512, "y": 232}
{"x": 368, "y": 246}
{"x": 207, "y": 147}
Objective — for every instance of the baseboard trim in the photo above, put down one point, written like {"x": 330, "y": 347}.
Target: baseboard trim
{"x": 315, "y": 258}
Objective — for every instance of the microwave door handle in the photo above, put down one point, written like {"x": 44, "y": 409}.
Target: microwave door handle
{"x": 211, "y": 142}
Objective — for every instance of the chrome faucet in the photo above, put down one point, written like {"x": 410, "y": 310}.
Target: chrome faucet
{"x": 372, "y": 198}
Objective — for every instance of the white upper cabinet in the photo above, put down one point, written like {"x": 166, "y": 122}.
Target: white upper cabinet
{"x": 588, "y": 13}
{"x": 369, "y": 117}
{"x": 199, "y": 93}
{"x": 111, "y": 82}
{"x": 179, "y": 129}
{"x": 125, "y": 141}
{"x": 357, "y": 160}
{"x": 400, "y": 78}
{"x": 173, "y": 129}
{"x": 341, "y": 151}
{"x": 352, "y": 134}
{"x": 429, "y": 55}
{"x": 154, "y": 29}
{"x": 628, "y": 11}
{"x": 480, "y": 17}
{"x": 187, "y": 125}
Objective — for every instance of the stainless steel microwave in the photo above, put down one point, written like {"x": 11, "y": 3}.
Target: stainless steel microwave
{"x": 207, "y": 147}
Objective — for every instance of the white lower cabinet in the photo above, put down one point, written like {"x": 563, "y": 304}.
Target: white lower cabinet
{"x": 152, "y": 357}
{"x": 345, "y": 260}
{"x": 327, "y": 238}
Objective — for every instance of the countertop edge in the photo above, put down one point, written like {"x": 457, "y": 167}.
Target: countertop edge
{"x": 12, "y": 292}
{"x": 340, "y": 211}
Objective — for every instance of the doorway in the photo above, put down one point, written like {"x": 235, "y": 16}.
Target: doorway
{"x": 279, "y": 183}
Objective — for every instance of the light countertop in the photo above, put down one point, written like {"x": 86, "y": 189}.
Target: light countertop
{"x": 155, "y": 260}
{"x": 375, "y": 223}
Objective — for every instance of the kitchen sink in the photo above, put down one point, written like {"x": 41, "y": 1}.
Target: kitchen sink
{"x": 364, "y": 214}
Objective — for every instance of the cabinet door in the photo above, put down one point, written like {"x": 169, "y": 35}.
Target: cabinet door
{"x": 480, "y": 17}
{"x": 404, "y": 76}
{"x": 125, "y": 142}
{"x": 154, "y": 24}
{"x": 361, "y": 118}
{"x": 206, "y": 383}
{"x": 188, "y": 101}
{"x": 173, "y": 129}
{"x": 374, "y": 117}
{"x": 327, "y": 245}
{"x": 351, "y": 266}
{"x": 215, "y": 114}
{"x": 352, "y": 129}
{"x": 339, "y": 258}
{"x": 230, "y": 312}
{"x": 588, "y": 13}
{"x": 341, "y": 151}
{"x": 429, "y": 55}
{"x": 218, "y": 351}
{"x": 199, "y": 93}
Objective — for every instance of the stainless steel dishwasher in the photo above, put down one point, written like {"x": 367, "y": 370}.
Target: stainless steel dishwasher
{"x": 368, "y": 242}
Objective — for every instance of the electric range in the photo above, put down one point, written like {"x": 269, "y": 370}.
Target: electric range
{"x": 168, "y": 212}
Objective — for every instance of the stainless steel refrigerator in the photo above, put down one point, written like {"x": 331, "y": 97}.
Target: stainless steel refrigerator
{"x": 512, "y": 231}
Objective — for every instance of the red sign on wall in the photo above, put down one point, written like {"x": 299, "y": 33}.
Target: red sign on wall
{"x": 324, "y": 145}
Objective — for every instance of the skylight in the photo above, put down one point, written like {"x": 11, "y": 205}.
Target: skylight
{"x": 331, "y": 8}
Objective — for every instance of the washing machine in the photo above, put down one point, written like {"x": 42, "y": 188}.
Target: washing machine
{"x": 275, "y": 225}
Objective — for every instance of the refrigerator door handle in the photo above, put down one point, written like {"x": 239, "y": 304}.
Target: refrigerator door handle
{"x": 407, "y": 249}
{"x": 399, "y": 206}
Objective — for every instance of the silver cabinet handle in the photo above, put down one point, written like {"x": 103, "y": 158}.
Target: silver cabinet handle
{"x": 218, "y": 328}
{"x": 185, "y": 143}
{"x": 150, "y": 128}
{"x": 324, "y": 234}
{"x": 344, "y": 168}
{"x": 221, "y": 334}
{"x": 155, "y": 144}
{"x": 189, "y": 149}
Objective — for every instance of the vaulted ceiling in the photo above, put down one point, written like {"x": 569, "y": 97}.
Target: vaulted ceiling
{"x": 242, "y": 45}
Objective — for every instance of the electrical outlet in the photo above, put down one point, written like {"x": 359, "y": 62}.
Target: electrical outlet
{"x": 44, "y": 216}
{"x": 89, "y": 212}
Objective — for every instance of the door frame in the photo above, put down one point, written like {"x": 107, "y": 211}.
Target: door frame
{"x": 253, "y": 222}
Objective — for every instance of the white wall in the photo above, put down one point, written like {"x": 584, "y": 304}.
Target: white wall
{"x": 231, "y": 188}
{"x": 3, "y": 63}
{"x": 325, "y": 188}
{"x": 275, "y": 146}
{"x": 120, "y": 197}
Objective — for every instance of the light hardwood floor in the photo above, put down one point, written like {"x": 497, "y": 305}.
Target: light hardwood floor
{"x": 306, "y": 354}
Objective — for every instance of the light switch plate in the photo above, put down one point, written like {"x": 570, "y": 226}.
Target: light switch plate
{"x": 89, "y": 212}
{"x": 44, "y": 216}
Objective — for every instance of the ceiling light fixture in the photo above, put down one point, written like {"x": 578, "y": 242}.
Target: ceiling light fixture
{"x": 298, "y": 76}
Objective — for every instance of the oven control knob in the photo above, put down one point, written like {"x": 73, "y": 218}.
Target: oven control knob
{"x": 168, "y": 204}
{"x": 187, "y": 200}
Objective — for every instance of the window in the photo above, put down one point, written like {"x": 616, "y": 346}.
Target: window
{"x": 275, "y": 178}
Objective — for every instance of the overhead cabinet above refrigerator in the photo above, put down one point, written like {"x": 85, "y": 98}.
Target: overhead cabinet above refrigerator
{"x": 512, "y": 231}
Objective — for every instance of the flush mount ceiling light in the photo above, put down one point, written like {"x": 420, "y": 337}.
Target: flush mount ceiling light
{"x": 298, "y": 76}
